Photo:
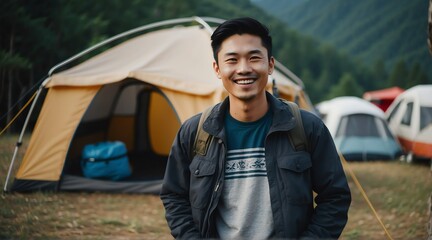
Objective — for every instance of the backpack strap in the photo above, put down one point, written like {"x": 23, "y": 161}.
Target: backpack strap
{"x": 202, "y": 138}
{"x": 297, "y": 134}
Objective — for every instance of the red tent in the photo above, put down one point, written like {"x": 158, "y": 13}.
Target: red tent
{"x": 384, "y": 97}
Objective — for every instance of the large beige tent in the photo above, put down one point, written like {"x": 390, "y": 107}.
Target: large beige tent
{"x": 138, "y": 92}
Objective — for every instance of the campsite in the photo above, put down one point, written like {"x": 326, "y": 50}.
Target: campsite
{"x": 131, "y": 82}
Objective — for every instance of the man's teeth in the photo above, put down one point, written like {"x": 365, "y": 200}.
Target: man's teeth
{"x": 249, "y": 81}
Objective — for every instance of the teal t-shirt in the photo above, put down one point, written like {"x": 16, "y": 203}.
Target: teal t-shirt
{"x": 244, "y": 211}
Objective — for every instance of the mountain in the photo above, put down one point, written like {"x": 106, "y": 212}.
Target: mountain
{"x": 370, "y": 30}
{"x": 37, "y": 35}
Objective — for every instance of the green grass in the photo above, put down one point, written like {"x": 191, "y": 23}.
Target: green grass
{"x": 399, "y": 192}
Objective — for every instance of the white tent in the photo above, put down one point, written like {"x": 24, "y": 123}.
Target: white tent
{"x": 410, "y": 117}
{"x": 359, "y": 129}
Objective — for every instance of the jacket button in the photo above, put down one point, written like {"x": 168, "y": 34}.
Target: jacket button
{"x": 298, "y": 166}
{"x": 196, "y": 172}
{"x": 220, "y": 141}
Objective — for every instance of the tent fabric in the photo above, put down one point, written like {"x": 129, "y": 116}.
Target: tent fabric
{"x": 384, "y": 97}
{"x": 138, "y": 92}
{"x": 388, "y": 93}
{"x": 359, "y": 129}
{"x": 62, "y": 110}
{"x": 410, "y": 117}
{"x": 159, "y": 58}
{"x": 178, "y": 59}
{"x": 24, "y": 185}
{"x": 74, "y": 183}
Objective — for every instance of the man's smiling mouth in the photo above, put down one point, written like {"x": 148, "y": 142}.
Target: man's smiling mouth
{"x": 244, "y": 81}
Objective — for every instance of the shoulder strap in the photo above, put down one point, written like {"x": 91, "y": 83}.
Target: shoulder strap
{"x": 297, "y": 134}
{"x": 202, "y": 138}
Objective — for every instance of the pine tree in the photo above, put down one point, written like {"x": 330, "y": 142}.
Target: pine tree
{"x": 399, "y": 75}
{"x": 347, "y": 86}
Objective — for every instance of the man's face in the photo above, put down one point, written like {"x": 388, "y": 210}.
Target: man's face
{"x": 243, "y": 66}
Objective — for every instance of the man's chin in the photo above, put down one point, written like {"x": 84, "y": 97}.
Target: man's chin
{"x": 246, "y": 97}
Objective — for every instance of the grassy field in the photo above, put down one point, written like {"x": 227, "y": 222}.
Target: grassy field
{"x": 398, "y": 191}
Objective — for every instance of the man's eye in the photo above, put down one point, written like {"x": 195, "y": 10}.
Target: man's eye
{"x": 231, "y": 60}
{"x": 255, "y": 58}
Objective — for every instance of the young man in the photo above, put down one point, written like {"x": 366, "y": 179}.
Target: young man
{"x": 252, "y": 183}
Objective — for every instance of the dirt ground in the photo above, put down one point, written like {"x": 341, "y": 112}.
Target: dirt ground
{"x": 398, "y": 191}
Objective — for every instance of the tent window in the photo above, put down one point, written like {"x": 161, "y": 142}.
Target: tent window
{"x": 406, "y": 119}
{"x": 395, "y": 109}
{"x": 425, "y": 117}
{"x": 358, "y": 125}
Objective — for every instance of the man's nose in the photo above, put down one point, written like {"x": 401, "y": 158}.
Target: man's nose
{"x": 244, "y": 67}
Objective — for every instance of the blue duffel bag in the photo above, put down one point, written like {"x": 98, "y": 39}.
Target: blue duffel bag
{"x": 105, "y": 160}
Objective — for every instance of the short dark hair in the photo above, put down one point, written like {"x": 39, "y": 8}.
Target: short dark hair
{"x": 245, "y": 25}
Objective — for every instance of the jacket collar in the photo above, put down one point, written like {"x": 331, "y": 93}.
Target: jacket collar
{"x": 283, "y": 119}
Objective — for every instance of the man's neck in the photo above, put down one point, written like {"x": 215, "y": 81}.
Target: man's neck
{"x": 249, "y": 111}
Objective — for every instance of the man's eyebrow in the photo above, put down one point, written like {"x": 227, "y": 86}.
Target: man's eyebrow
{"x": 255, "y": 51}
{"x": 250, "y": 52}
{"x": 230, "y": 54}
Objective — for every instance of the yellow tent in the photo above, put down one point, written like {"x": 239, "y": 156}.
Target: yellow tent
{"x": 138, "y": 92}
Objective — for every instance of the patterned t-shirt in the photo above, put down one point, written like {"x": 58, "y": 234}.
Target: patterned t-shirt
{"x": 244, "y": 211}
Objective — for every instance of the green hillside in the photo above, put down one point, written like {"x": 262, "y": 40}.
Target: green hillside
{"x": 371, "y": 30}
{"x": 37, "y": 35}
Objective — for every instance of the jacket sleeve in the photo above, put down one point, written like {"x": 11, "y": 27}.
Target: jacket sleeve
{"x": 329, "y": 182}
{"x": 175, "y": 187}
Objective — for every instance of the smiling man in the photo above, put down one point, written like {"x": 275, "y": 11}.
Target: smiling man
{"x": 243, "y": 65}
{"x": 252, "y": 183}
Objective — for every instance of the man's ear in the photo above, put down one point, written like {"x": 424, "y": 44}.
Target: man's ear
{"x": 271, "y": 65}
{"x": 216, "y": 69}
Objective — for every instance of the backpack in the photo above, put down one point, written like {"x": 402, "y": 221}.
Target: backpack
{"x": 296, "y": 135}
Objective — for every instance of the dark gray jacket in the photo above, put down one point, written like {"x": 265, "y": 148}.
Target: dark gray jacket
{"x": 192, "y": 185}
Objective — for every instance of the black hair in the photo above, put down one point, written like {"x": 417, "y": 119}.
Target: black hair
{"x": 245, "y": 25}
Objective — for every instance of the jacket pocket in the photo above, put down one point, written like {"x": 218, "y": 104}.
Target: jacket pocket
{"x": 294, "y": 169}
{"x": 202, "y": 176}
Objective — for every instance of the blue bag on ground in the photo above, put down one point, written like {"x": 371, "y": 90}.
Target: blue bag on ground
{"x": 105, "y": 160}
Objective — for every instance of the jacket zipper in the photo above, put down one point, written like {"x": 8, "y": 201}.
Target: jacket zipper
{"x": 213, "y": 206}
{"x": 217, "y": 186}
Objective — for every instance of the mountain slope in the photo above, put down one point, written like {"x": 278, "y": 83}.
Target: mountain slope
{"x": 369, "y": 29}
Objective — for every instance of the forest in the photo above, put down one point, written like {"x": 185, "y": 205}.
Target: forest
{"x": 369, "y": 30}
{"x": 36, "y": 35}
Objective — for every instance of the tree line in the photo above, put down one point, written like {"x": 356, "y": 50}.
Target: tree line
{"x": 36, "y": 35}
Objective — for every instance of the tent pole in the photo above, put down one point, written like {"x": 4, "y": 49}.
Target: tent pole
{"x": 203, "y": 23}
{"x": 19, "y": 142}
{"x": 132, "y": 31}
{"x": 290, "y": 74}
